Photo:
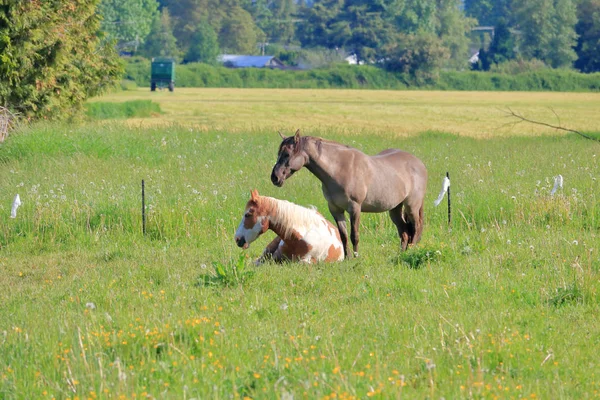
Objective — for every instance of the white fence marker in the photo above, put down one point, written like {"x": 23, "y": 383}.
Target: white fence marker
{"x": 16, "y": 203}
{"x": 445, "y": 186}
{"x": 558, "y": 183}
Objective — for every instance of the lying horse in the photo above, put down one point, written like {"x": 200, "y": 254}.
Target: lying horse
{"x": 302, "y": 233}
{"x": 393, "y": 181}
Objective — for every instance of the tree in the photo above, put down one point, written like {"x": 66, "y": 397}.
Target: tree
{"x": 315, "y": 30}
{"x": 161, "y": 42}
{"x": 52, "y": 57}
{"x": 283, "y": 29}
{"x": 187, "y": 15}
{"x": 359, "y": 26}
{"x": 454, "y": 28}
{"x": 588, "y": 29}
{"x": 417, "y": 16}
{"x": 238, "y": 31}
{"x": 502, "y": 47}
{"x": 419, "y": 54}
{"x": 205, "y": 45}
{"x": 548, "y": 31}
{"x": 488, "y": 12}
{"x": 235, "y": 27}
{"x": 128, "y": 21}
{"x": 276, "y": 18}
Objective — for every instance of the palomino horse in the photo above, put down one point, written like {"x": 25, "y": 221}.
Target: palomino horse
{"x": 393, "y": 181}
{"x": 302, "y": 233}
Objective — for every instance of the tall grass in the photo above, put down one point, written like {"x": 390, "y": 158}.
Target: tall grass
{"x": 127, "y": 109}
{"x": 503, "y": 304}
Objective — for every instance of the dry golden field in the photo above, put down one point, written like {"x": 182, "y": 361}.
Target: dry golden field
{"x": 396, "y": 113}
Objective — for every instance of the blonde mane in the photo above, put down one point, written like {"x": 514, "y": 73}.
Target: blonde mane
{"x": 290, "y": 216}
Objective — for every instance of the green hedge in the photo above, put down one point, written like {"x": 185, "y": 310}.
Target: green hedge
{"x": 364, "y": 77}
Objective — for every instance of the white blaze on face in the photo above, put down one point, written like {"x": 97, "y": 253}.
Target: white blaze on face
{"x": 249, "y": 234}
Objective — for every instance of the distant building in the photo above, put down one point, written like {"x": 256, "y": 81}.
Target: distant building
{"x": 474, "y": 59}
{"x": 352, "y": 60}
{"x": 243, "y": 61}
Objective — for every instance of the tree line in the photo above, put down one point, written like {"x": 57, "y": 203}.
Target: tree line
{"x": 415, "y": 36}
{"x": 54, "y": 54}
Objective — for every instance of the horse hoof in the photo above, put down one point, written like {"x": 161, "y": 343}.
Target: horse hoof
{"x": 355, "y": 254}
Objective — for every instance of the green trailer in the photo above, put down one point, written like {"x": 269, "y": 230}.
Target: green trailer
{"x": 162, "y": 74}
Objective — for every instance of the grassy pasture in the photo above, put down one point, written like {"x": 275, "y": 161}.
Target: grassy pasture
{"x": 505, "y": 305}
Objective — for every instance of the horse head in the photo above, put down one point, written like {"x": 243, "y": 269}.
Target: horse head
{"x": 254, "y": 223}
{"x": 290, "y": 158}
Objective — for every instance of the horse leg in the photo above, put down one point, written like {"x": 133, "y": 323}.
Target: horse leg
{"x": 418, "y": 226}
{"x": 401, "y": 225}
{"x": 269, "y": 251}
{"x": 354, "y": 211}
{"x": 340, "y": 220}
{"x": 414, "y": 217}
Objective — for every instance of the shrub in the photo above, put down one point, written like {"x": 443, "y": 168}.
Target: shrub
{"x": 509, "y": 77}
{"x": 514, "y": 67}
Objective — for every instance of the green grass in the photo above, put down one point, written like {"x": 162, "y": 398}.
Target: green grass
{"x": 505, "y": 304}
{"x": 127, "y": 109}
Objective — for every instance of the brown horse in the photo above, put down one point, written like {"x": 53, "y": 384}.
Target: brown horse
{"x": 302, "y": 233}
{"x": 393, "y": 181}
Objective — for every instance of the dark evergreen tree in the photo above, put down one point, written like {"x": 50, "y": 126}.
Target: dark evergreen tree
{"x": 588, "y": 29}
{"x": 161, "y": 42}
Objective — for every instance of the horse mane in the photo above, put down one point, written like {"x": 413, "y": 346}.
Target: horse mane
{"x": 319, "y": 142}
{"x": 290, "y": 216}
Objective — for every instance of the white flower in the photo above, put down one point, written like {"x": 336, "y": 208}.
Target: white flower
{"x": 90, "y": 305}
{"x": 575, "y": 242}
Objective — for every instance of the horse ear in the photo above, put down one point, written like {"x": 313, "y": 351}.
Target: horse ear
{"x": 254, "y": 195}
{"x": 297, "y": 136}
{"x": 281, "y": 134}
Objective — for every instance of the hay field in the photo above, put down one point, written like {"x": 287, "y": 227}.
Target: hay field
{"x": 396, "y": 113}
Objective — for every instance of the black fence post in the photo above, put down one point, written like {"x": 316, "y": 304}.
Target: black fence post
{"x": 143, "y": 209}
{"x": 449, "y": 204}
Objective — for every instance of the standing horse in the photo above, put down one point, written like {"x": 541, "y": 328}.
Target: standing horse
{"x": 393, "y": 181}
{"x": 302, "y": 233}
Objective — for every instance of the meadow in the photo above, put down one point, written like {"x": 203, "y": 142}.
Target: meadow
{"x": 502, "y": 304}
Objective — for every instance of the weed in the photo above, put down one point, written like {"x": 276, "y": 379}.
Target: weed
{"x": 416, "y": 257}
{"x": 566, "y": 295}
{"x": 231, "y": 274}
